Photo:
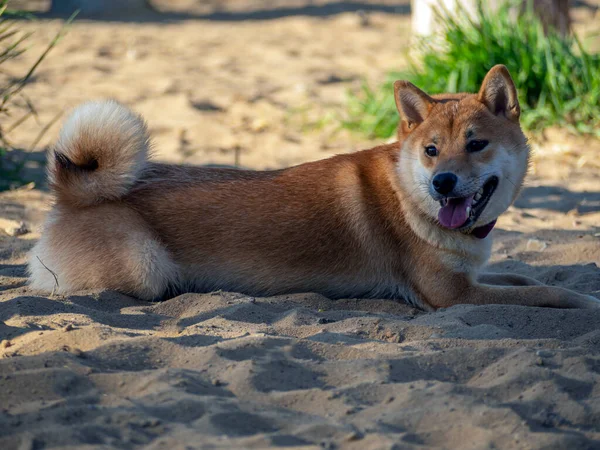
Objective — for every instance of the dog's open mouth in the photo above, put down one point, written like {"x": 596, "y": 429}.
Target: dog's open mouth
{"x": 463, "y": 212}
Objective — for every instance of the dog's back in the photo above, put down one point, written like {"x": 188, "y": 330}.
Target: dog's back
{"x": 300, "y": 229}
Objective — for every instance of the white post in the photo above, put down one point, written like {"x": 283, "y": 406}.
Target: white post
{"x": 424, "y": 21}
{"x": 553, "y": 13}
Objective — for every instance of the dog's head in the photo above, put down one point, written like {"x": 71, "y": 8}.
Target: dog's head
{"x": 463, "y": 156}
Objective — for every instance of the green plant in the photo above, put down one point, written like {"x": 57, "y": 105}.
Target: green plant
{"x": 557, "y": 79}
{"x": 12, "y": 42}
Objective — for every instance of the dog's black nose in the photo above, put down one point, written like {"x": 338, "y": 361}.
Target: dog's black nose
{"x": 444, "y": 183}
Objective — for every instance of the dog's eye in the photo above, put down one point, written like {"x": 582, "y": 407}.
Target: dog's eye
{"x": 431, "y": 151}
{"x": 476, "y": 146}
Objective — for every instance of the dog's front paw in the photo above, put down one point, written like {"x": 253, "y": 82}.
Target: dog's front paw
{"x": 590, "y": 302}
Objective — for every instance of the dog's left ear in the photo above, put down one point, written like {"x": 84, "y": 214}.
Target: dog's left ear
{"x": 499, "y": 94}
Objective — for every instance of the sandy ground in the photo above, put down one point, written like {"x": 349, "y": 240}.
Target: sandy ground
{"x": 223, "y": 370}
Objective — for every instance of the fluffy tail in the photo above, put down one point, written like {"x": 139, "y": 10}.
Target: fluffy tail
{"x": 102, "y": 148}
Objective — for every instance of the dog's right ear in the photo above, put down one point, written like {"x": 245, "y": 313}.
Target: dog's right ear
{"x": 412, "y": 103}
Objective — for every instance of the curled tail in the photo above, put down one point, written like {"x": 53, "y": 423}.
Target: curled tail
{"x": 102, "y": 148}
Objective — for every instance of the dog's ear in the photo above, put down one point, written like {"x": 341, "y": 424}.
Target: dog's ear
{"x": 499, "y": 94}
{"x": 412, "y": 103}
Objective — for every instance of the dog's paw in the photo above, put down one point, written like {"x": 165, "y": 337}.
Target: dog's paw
{"x": 590, "y": 302}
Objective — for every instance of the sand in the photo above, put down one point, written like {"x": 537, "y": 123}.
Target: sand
{"x": 224, "y": 370}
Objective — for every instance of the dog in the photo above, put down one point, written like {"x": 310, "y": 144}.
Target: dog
{"x": 409, "y": 220}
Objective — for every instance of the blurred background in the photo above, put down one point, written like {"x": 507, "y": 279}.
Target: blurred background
{"x": 273, "y": 83}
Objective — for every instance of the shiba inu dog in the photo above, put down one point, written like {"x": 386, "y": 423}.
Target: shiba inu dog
{"x": 409, "y": 220}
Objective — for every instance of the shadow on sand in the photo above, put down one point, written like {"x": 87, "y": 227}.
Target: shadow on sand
{"x": 325, "y": 10}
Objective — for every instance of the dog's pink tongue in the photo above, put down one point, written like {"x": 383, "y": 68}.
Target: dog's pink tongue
{"x": 454, "y": 214}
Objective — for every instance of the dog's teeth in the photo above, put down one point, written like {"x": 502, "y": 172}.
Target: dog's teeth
{"x": 477, "y": 196}
{"x": 468, "y": 210}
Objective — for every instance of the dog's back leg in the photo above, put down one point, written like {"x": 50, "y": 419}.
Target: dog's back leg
{"x": 108, "y": 246}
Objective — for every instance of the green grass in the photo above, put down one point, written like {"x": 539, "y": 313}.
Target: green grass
{"x": 557, "y": 79}
{"x": 12, "y": 45}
